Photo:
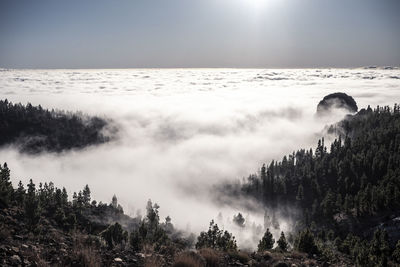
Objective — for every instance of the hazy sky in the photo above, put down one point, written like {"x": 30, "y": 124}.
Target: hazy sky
{"x": 199, "y": 33}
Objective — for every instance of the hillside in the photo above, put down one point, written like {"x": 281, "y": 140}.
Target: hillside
{"x": 349, "y": 192}
{"x": 33, "y": 129}
{"x": 347, "y": 201}
{"x": 39, "y": 226}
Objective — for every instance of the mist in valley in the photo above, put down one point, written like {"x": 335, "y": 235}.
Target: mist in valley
{"x": 180, "y": 132}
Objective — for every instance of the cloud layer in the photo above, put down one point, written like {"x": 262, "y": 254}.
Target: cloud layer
{"x": 182, "y": 131}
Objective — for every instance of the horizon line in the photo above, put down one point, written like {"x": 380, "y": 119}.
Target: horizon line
{"x": 125, "y": 68}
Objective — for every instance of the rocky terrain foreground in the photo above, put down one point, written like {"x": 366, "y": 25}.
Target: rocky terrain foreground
{"x": 51, "y": 246}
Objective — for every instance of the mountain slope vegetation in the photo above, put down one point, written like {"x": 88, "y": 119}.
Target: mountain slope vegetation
{"x": 346, "y": 200}
{"x": 351, "y": 190}
{"x": 34, "y": 129}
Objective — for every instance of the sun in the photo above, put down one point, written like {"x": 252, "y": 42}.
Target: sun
{"x": 256, "y": 3}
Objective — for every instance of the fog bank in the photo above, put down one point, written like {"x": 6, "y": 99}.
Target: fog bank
{"x": 181, "y": 131}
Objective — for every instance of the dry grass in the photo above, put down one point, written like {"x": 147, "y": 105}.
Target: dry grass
{"x": 211, "y": 256}
{"x": 189, "y": 259}
{"x": 148, "y": 249}
{"x": 240, "y": 256}
{"x": 86, "y": 255}
{"x": 34, "y": 257}
{"x": 154, "y": 261}
{"x": 297, "y": 255}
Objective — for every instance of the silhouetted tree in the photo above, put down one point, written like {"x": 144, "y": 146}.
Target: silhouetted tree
{"x": 282, "y": 243}
{"x": 357, "y": 177}
{"x": 20, "y": 194}
{"x": 135, "y": 240}
{"x": 6, "y": 188}
{"x": 168, "y": 226}
{"x": 114, "y": 202}
{"x": 305, "y": 242}
{"x": 267, "y": 242}
{"x": 239, "y": 220}
{"x": 31, "y": 205}
{"x": 35, "y": 129}
{"x": 216, "y": 239}
{"x": 86, "y": 195}
{"x": 113, "y": 235}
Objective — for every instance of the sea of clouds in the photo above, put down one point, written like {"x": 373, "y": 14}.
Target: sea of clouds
{"x": 183, "y": 130}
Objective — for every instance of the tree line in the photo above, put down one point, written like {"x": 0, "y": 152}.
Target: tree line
{"x": 354, "y": 182}
{"x": 81, "y": 213}
{"x": 34, "y": 129}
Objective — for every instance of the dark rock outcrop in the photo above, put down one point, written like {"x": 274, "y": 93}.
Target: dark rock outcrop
{"x": 336, "y": 101}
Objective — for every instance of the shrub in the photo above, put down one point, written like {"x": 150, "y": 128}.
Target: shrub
{"x": 113, "y": 235}
{"x": 84, "y": 253}
{"x": 87, "y": 257}
{"x": 211, "y": 256}
{"x": 240, "y": 256}
{"x": 189, "y": 259}
{"x": 154, "y": 261}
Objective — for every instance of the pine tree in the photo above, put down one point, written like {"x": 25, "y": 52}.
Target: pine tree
{"x": 86, "y": 195}
{"x": 385, "y": 247}
{"x": 74, "y": 200}
{"x": 60, "y": 217}
{"x": 31, "y": 205}
{"x": 329, "y": 204}
{"x": 267, "y": 242}
{"x": 135, "y": 240}
{"x": 300, "y": 193}
{"x": 20, "y": 194}
{"x": 168, "y": 226}
{"x": 305, "y": 242}
{"x": 80, "y": 200}
{"x": 282, "y": 243}
{"x": 216, "y": 239}
{"x": 64, "y": 197}
{"x": 264, "y": 182}
{"x": 152, "y": 214}
{"x": 114, "y": 202}
{"x": 6, "y": 188}
{"x": 239, "y": 220}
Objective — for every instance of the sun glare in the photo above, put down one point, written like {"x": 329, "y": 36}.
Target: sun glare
{"x": 258, "y": 5}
